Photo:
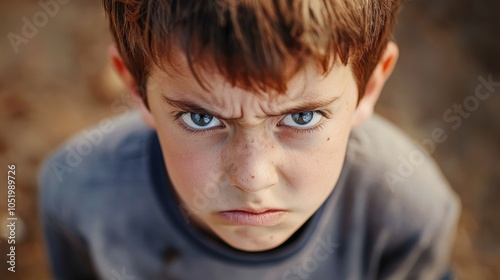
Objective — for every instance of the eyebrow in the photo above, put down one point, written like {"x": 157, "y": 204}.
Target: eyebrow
{"x": 308, "y": 106}
{"x": 189, "y": 106}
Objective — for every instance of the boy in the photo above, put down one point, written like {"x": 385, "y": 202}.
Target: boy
{"x": 256, "y": 157}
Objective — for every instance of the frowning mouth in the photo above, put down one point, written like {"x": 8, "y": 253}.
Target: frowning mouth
{"x": 264, "y": 217}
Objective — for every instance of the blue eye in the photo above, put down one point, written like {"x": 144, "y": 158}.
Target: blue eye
{"x": 302, "y": 119}
{"x": 200, "y": 121}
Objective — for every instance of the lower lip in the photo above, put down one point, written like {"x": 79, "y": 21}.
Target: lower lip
{"x": 268, "y": 218}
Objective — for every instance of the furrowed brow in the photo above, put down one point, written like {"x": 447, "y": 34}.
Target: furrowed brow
{"x": 307, "y": 107}
{"x": 188, "y": 106}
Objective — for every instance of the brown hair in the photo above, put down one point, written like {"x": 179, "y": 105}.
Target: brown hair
{"x": 250, "y": 41}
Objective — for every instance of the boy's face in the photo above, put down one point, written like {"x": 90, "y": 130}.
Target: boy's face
{"x": 253, "y": 169}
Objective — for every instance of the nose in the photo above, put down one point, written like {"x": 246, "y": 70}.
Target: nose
{"x": 251, "y": 162}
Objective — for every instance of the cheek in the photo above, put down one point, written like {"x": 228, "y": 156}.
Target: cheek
{"x": 190, "y": 169}
{"x": 189, "y": 163}
{"x": 313, "y": 174}
{"x": 321, "y": 168}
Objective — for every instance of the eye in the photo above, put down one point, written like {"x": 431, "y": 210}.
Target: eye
{"x": 200, "y": 121}
{"x": 302, "y": 119}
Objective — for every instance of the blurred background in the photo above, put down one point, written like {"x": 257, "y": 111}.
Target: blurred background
{"x": 56, "y": 80}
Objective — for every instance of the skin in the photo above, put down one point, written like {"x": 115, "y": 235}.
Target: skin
{"x": 252, "y": 154}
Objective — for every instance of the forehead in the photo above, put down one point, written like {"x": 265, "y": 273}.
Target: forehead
{"x": 309, "y": 85}
{"x": 176, "y": 78}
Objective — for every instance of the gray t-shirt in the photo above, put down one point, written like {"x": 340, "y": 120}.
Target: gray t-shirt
{"x": 109, "y": 212}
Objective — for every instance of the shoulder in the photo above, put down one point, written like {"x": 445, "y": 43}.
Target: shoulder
{"x": 94, "y": 163}
{"x": 399, "y": 180}
{"x": 112, "y": 141}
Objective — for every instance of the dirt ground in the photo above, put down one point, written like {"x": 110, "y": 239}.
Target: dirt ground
{"x": 59, "y": 81}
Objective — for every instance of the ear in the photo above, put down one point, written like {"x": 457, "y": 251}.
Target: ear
{"x": 375, "y": 84}
{"x": 131, "y": 85}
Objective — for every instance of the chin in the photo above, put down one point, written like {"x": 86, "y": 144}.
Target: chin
{"x": 244, "y": 241}
{"x": 252, "y": 247}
